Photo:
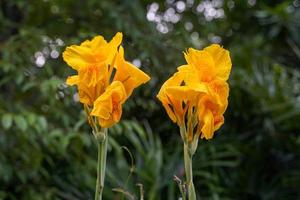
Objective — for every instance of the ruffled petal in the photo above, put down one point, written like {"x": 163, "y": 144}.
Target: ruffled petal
{"x": 108, "y": 106}
{"x": 72, "y": 80}
{"x": 128, "y": 74}
{"x": 222, "y": 61}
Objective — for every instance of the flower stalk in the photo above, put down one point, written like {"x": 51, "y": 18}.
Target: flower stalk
{"x": 102, "y": 139}
{"x": 189, "y": 171}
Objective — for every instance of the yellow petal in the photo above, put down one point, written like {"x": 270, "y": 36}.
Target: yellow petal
{"x": 116, "y": 40}
{"x": 208, "y": 125}
{"x": 184, "y": 68}
{"x": 113, "y": 45}
{"x": 92, "y": 52}
{"x": 128, "y": 74}
{"x": 219, "y": 90}
{"x": 187, "y": 93}
{"x": 78, "y": 57}
{"x": 172, "y": 106}
{"x": 87, "y": 95}
{"x": 221, "y": 59}
{"x": 108, "y": 106}
{"x": 72, "y": 80}
{"x": 91, "y": 75}
{"x": 218, "y": 122}
{"x": 170, "y": 111}
{"x": 210, "y": 114}
{"x": 94, "y": 44}
{"x": 203, "y": 62}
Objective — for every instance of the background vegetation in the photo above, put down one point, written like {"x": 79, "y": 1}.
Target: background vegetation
{"x": 46, "y": 147}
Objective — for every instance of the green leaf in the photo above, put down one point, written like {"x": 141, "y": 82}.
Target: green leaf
{"x": 7, "y": 120}
{"x": 21, "y": 122}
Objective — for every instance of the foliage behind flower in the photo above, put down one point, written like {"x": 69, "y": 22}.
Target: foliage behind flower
{"x": 105, "y": 79}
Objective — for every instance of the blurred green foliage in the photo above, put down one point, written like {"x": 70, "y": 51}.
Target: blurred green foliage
{"x": 47, "y": 149}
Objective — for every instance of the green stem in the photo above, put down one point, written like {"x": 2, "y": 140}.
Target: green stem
{"x": 102, "y": 152}
{"x": 189, "y": 172}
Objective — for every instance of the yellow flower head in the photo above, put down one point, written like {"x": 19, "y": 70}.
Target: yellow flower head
{"x": 108, "y": 107}
{"x": 92, "y": 60}
{"x": 95, "y": 61}
{"x": 196, "y": 96}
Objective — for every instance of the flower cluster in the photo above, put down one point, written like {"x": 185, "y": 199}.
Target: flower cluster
{"x": 195, "y": 97}
{"x": 105, "y": 79}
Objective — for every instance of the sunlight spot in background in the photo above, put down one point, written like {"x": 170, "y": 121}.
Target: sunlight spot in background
{"x": 188, "y": 26}
{"x": 296, "y": 3}
{"x": 60, "y": 95}
{"x": 180, "y": 6}
{"x": 54, "y": 9}
{"x": 214, "y": 38}
{"x": 40, "y": 60}
{"x": 137, "y": 62}
{"x": 59, "y": 42}
{"x": 230, "y": 4}
{"x": 189, "y": 3}
{"x": 153, "y": 8}
{"x": 251, "y": 2}
{"x": 76, "y": 97}
{"x": 164, "y": 20}
{"x": 54, "y": 54}
{"x": 211, "y": 9}
{"x": 197, "y": 42}
{"x": 195, "y": 36}
{"x": 174, "y": 10}
{"x": 50, "y": 50}
{"x": 69, "y": 20}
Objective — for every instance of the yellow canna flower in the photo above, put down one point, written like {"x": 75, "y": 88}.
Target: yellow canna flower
{"x": 195, "y": 98}
{"x": 128, "y": 74}
{"x": 108, "y": 106}
{"x": 92, "y": 59}
{"x": 206, "y": 72}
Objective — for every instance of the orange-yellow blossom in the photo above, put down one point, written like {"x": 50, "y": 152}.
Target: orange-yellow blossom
{"x": 92, "y": 60}
{"x": 207, "y": 69}
{"x": 108, "y": 107}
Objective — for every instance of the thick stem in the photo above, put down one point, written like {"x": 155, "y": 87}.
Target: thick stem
{"x": 189, "y": 172}
{"x": 102, "y": 152}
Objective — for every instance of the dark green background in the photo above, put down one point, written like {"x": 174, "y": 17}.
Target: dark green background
{"x": 46, "y": 147}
